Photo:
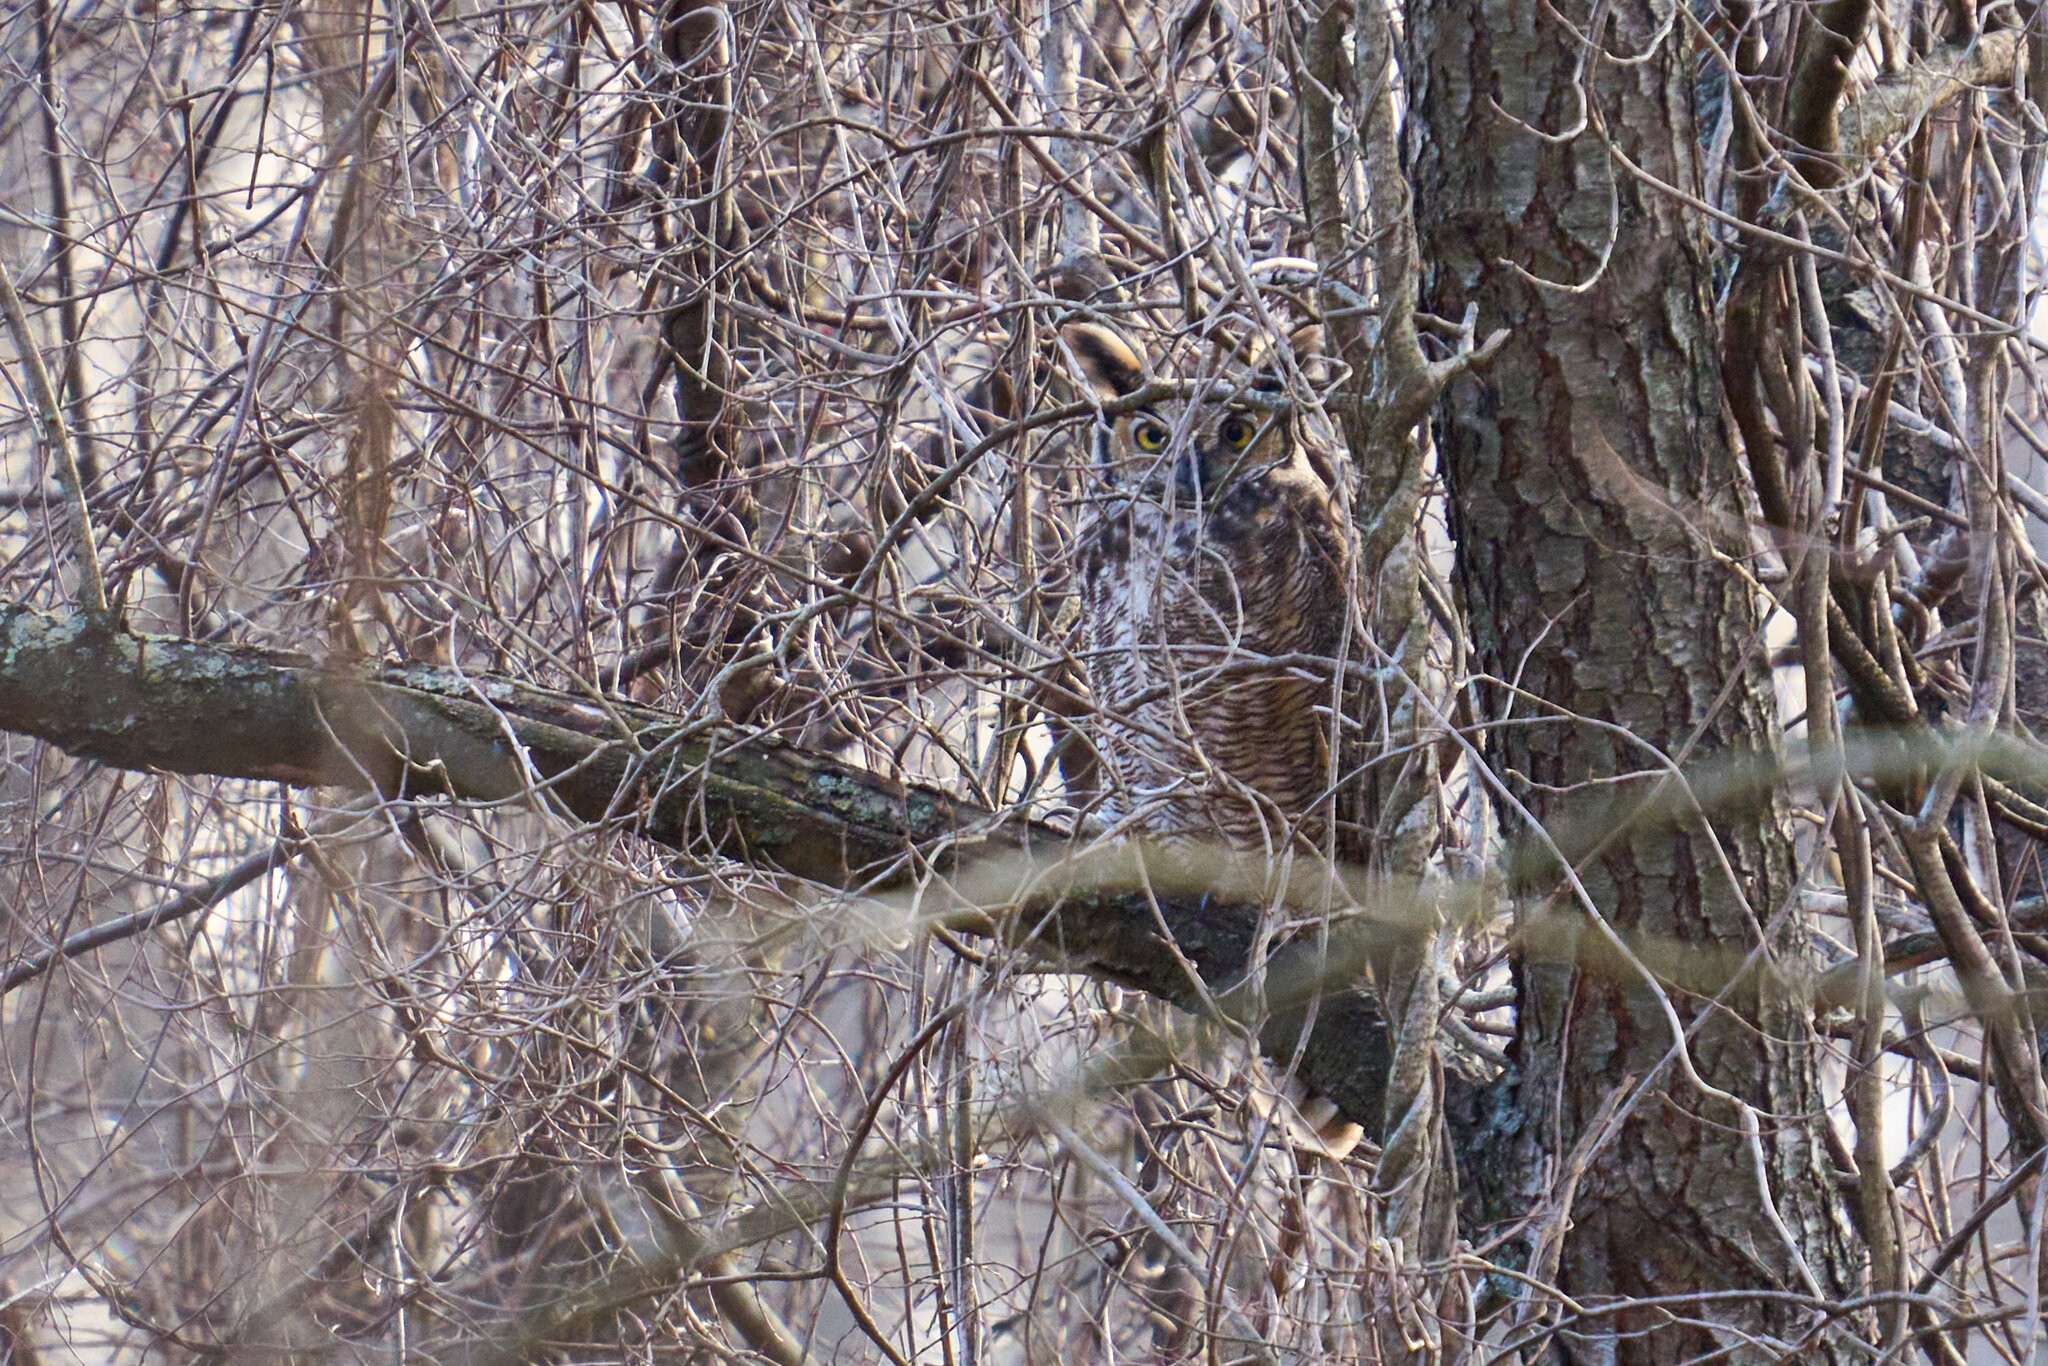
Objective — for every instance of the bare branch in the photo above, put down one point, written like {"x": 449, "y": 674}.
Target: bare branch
{"x": 92, "y": 589}
{"x": 1897, "y": 103}
{"x": 148, "y": 702}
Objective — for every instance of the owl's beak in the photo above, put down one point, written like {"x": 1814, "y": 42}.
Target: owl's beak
{"x": 1174, "y": 477}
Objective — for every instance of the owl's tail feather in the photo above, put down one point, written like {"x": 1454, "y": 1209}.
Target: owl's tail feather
{"x": 1305, "y": 1121}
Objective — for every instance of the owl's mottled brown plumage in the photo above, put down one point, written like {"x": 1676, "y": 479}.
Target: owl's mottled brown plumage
{"x": 1214, "y": 548}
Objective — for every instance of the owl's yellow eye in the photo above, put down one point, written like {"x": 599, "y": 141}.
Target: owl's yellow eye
{"x": 1150, "y": 436}
{"x": 1237, "y": 432}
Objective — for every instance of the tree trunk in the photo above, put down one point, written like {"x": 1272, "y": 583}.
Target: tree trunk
{"x": 1598, "y": 516}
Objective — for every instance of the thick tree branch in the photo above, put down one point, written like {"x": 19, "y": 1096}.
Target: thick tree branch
{"x": 143, "y": 702}
{"x": 1813, "y": 110}
{"x": 239, "y": 712}
{"x": 1895, "y": 104}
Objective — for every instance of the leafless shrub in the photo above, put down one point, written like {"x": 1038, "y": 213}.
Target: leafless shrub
{"x": 705, "y": 362}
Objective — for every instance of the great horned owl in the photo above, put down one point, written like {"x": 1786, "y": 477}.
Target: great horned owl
{"x": 1213, "y": 589}
{"x": 1215, "y": 550}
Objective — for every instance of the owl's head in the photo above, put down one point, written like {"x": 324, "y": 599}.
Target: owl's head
{"x": 1180, "y": 449}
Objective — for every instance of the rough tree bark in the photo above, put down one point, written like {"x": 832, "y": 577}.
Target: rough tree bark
{"x": 1600, "y": 529}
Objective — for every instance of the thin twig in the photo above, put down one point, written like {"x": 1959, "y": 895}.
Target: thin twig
{"x": 188, "y": 903}
{"x": 92, "y": 589}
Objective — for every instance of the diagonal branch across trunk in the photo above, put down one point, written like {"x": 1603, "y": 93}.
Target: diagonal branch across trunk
{"x": 146, "y": 702}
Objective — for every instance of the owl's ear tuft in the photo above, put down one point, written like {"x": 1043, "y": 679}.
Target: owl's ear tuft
{"x": 1108, "y": 362}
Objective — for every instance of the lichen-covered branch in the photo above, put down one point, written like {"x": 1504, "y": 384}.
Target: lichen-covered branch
{"x": 145, "y": 702}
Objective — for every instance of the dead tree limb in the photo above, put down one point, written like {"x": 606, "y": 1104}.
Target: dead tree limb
{"x": 181, "y": 706}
